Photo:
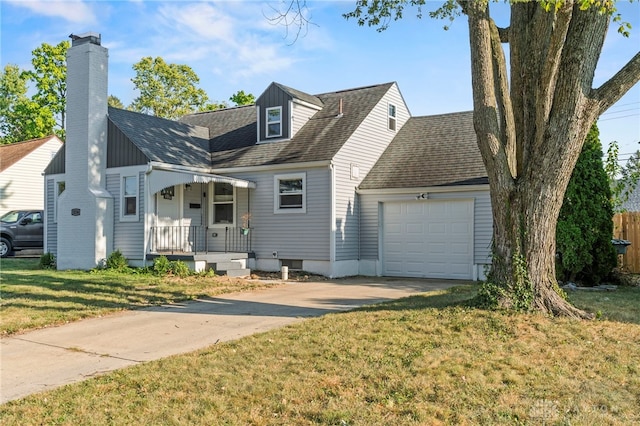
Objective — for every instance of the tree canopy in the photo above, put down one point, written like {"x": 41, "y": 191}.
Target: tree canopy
{"x": 166, "y": 90}
{"x": 21, "y": 118}
{"x": 50, "y": 76}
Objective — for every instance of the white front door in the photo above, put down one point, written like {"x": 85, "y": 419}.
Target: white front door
{"x": 169, "y": 234}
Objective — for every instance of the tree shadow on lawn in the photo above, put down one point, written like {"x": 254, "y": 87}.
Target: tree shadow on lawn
{"x": 622, "y": 305}
{"x": 458, "y": 296}
{"x": 101, "y": 291}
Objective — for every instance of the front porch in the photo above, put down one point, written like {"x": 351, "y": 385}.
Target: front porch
{"x": 190, "y": 245}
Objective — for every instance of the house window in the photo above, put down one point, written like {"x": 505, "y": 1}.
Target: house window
{"x": 223, "y": 204}
{"x": 129, "y": 208}
{"x": 274, "y": 122}
{"x": 392, "y": 117}
{"x": 290, "y": 193}
{"x": 59, "y": 187}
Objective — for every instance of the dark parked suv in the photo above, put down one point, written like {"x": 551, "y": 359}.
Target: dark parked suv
{"x": 19, "y": 230}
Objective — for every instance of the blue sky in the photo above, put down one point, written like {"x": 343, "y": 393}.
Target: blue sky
{"x": 232, "y": 45}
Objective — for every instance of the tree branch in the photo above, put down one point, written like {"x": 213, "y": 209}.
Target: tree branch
{"x": 551, "y": 61}
{"x": 614, "y": 88}
{"x": 487, "y": 87}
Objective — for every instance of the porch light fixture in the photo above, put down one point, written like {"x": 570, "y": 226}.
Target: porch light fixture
{"x": 168, "y": 192}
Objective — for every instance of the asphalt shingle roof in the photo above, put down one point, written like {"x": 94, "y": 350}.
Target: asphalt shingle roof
{"x": 435, "y": 150}
{"x": 162, "y": 140}
{"x": 14, "y": 152}
{"x": 233, "y": 131}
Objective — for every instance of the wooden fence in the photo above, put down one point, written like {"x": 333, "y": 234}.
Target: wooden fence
{"x": 626, "y": 226}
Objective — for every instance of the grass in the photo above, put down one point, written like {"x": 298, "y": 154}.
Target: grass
{"x": 35, "y": 298}
{"x": 423, "y": 360}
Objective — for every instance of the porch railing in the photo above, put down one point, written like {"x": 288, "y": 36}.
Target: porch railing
{"x": 193, "y": 239}
{"x": 237, "y": 239}
{"x": 178, "y": 239}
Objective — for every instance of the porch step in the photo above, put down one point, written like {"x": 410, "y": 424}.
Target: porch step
{"x": 238, "y": 272}
{"x": 232, "y": 268}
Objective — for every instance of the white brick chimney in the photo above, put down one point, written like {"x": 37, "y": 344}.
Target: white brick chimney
{"x": 85, "y": 208}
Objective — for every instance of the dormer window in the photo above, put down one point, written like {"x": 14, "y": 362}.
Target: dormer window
{"x": 392, "y": 117}
{"x": 274, "y": 122}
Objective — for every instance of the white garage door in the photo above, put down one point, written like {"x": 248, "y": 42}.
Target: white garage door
{"x": 430, "y": 239}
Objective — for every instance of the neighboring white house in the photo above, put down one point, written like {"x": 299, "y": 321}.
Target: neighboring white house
{"x": 340, "y": 183}
{"x": 22, "y": 166}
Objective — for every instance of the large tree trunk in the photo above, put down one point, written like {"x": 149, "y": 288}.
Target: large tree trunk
{"x": 530, "y": 133}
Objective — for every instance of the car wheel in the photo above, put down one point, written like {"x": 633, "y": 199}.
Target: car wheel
{"x": 5, "y": 247}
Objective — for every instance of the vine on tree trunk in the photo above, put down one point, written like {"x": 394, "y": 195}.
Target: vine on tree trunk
{"x": 515, "y": 294}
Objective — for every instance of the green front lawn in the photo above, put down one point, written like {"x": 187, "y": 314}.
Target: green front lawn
{"x": 35, "y": 298}
{"x": 423, "y": 360}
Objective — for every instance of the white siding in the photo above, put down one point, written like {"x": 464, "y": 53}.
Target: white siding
{"x": 293, "y": 236}
{"x": 300, "y": 114}
{"x": 51, "y": 227}
{"x": 128, "y": 237}
{"x": 482, "y": 226}
{"x": 22, "y": 183}
{"x": 362, "y": 150}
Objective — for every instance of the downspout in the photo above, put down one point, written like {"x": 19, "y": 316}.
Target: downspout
{"x": 332, "y": 235}
{"x": 147, "y": 215}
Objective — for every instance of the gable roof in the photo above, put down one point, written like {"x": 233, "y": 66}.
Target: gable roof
{"x": 14, "y": 152}
{"x": 233, "y": 131}
{"x": 162, "y": 140}
{"x": 297, "y": 94}
{"x": 437, "y": 150}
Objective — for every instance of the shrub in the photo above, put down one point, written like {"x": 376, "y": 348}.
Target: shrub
{"x": 179, "y": 268}
{"x": 161, "y": 265}
{"x": 47, "y": 261}
{"x": 585, "y": 224}
{"x": 117, "y": 262}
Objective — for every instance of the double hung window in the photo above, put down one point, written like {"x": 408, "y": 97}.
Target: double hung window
{"x": 392, "y": 117}
{"x": 290, "y": 193}
{"x": 274, "y": 122}
{"x": 129, "y": 201}
{"x": 223, "y": 204}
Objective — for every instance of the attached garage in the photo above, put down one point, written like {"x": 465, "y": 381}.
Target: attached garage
{"x": 428, "y": 238}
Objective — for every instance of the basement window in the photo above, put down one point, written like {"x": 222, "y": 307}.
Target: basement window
{"x": 292, "y": 264}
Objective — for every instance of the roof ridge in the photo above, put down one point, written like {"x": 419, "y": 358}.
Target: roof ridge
{"x": 353, "y": 89}
{"x": 231, "y": 108}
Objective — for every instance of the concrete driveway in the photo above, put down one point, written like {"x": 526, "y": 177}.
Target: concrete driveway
{"x": 48, "y": 358}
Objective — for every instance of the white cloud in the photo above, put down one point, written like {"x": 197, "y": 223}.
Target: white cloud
{"x": 70, "y": 10}
{"x": 231, "y": 37}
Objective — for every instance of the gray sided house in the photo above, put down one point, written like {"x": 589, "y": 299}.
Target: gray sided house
{"x": 340, "y": 183}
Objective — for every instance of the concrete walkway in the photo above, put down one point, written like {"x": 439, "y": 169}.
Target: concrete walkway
{"x": 48, "y": 358}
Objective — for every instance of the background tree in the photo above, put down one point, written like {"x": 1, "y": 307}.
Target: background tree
{"x": 166, "y": 90}
{"x": 585, "y": 223}
{"x": 531, "y": 121}
{"x": 20, "y": 117}
{"x": 213, "y": 106}
{"x": 115, "y": 102}
{"x": 240, "y": 98}
{"x": 50, "y": 77}
{"x": 622, "y": 179}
